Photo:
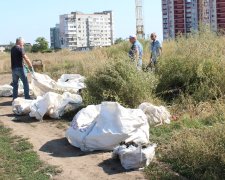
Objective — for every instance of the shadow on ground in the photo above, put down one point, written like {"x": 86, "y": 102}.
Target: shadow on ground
{"x": 6, "y": 103}
{"x": 61, "y": 148}
{"x": 23, "y": 119}
{"x": 112, "y": 166}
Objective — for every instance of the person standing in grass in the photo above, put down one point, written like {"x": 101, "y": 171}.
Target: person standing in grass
{"x": 136, "y": 51}
{"x": 18, "y": 70}
{"x": 155, "y": 50}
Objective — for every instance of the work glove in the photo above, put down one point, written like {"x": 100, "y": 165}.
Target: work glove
{"x": 31, "y": 69}
{"x": 26, "y": 68}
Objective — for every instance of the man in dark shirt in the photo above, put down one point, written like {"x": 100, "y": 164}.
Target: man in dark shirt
{"x": 18, "y": 71}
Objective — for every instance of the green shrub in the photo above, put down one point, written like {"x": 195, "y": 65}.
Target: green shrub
{"x": 118, "y": 50}
{"x": 120, "y": 81}
{"x": 194, "y": 66}
{"x": 197, "y": 153}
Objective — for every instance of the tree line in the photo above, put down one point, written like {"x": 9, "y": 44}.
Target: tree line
{"x": 40, "y": 45}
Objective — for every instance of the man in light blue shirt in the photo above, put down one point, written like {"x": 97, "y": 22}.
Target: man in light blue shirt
{"x": 155, "y": 50}
{"x": 136, "y": 51}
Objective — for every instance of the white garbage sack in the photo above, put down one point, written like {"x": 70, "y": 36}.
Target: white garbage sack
{"x": 104, "y": 126}
{"x": 156, "y": 114}
{"x": 133, "y": 157}
{"x": 71, "y": 82}
{"x": 41, "y": 84}
{"x": 53, "y": 104}
{"x": 21, "y": 106}
{"x": 6, "y": 90}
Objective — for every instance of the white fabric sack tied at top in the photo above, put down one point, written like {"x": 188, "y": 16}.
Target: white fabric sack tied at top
{"x": 71, "y": 82}
{"x": 53, "y": 104}
{"x": 157, "y": 115}
{"x": 21, "y": 106}
{"x": 105, "y": 126}
{"x": 6, "y": 90}
{"x": 42, "y": 83}
{"x": 133, "y": 157}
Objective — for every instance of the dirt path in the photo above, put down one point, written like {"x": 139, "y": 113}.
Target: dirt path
{"x": 50, "y": 143}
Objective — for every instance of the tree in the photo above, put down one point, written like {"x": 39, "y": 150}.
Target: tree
{"x": 27, "y": 47}
{"x": 118, "y": 40}
{"x": 40, "y": 45}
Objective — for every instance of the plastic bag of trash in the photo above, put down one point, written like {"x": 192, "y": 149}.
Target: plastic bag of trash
{"x": 21, "y": 106}
{"x": 155, "y": 114}
{"x": 134, "y": 157}
{"x": 53, "y": 104}
{"x": 41, "y": 84}
{"x": 6, "y": 90}
{"x": 71, "y": 82}
{"x": 104, "y": 126}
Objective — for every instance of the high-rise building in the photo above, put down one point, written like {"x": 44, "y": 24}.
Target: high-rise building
{"x": 54, "y": 37}
{"x": 182, "y": 16}
{"x": 220, "y": 13}
{"x": 79, "y": 31}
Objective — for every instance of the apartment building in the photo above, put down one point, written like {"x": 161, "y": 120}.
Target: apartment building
{"x": 220, "y": 13}
{"x": 182, "y": 16}
{"x": 80, "y": 31}
{"x": 54, "y": 37}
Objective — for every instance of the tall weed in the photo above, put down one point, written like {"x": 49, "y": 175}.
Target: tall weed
{"x": 120, "y": 81}
{"x": 197, "y": 153}
{"x": 193, "y": 66}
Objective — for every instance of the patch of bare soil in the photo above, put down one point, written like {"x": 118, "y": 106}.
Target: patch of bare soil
{"x": 48, "y": 139}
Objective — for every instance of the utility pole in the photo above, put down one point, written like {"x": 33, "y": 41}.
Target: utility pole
{"x": 139, "y": 20}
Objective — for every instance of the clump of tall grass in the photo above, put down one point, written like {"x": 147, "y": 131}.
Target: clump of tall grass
{"x": 197, "y": 153}
{"x": 120, "y": 81}
{"x": 193, "y": 66}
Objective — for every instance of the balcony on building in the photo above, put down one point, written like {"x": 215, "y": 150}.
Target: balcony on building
{"x": 178, "y": 6}
{"x": 179, "y": 26}
{"x": 221, "y": 26}
{"x": 178, "y": 21}
{"x": 221, "y": 10}
{"x": 178, "y": 16}
{"x": 219, "y": 1}
{"x": 177, "y": 31}
{"x": 221, "y": 16}
{"x": 221, "y": 21}
{"x": 220, "y": 6}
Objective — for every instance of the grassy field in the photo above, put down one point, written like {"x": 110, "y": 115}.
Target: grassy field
{"x": 19, "y": 161}
{"x": 190, "y": 83}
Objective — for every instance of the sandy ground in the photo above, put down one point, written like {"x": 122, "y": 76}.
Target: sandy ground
{"x": 48, "y": 139}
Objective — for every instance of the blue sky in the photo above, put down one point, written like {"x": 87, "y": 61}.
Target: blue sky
{"x": 32, "y": 19}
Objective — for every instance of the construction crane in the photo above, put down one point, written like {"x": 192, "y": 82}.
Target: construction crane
{"x": 139, "y": 20}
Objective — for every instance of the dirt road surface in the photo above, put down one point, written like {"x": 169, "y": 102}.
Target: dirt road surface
{"x": 48, "y": 139}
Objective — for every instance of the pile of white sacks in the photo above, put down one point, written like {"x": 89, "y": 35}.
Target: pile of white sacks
{"x": 97, "y": 127}
{"x": 52, "y": 97}
{"x": 105, "y": 126}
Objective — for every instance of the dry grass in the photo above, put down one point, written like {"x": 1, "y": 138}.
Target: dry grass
{"x": 5, "y": 62}
{"x": 193, "y": 66}
{"x": 63, "y": 61}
